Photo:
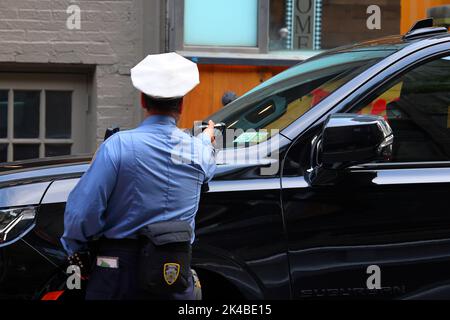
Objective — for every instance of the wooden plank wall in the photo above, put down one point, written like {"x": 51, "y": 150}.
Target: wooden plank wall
{"x": 215, "y": 80}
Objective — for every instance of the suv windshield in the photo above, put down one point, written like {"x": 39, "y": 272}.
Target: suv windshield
{"x": 278, "y": 102}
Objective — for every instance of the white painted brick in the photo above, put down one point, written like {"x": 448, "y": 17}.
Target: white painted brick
{"x": 101, "y": 59}
{"x": 7, "y": 57}
{"x": 115, "y": 112}
{"x": 37, "y": 57}
{"x": 81, "y": 35}
{"x": 67, "y": 57}
{"x": 34, "y": 31}
{"x": 6, "y": 13}
{"x": 99, "y": 48}
{"x": 36, "y": 25}
{"x": 108, "y": 122}
{"x": 12, "y": 35}
{"x": 10, "y": 47}
{"x": 40, "y": 35}
{"x": 32, "y": 14}
{"x": 125, "y": 70}
{"x": 121, "y": 100}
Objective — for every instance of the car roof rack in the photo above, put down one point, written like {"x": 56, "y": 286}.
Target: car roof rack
{"x": 424, "y": 28}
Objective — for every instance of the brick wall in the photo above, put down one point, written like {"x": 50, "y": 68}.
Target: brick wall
{"x": 110, "y": 39}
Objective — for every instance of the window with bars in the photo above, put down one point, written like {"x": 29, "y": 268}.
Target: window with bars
{"x": 35, "y": 124}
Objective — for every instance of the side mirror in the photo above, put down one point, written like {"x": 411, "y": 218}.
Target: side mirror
{"x": 348, "y": 140}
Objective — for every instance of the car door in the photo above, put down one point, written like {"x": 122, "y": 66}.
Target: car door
{"x": 383, "y": 223}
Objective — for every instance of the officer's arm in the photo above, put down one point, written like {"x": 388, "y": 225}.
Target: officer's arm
{"x": 84, "y": 216}
{"x": 208, "y": 159}
{"x": 208, "y": 152}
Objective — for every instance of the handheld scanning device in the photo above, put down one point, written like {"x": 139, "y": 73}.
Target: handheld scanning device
{"x": 219, "y": 126}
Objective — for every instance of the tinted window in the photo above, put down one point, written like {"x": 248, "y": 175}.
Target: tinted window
{"x": 3, "y": 113}
{"x": 58, "y": 115}
{"x": 56, "y": 150}
{"x": 25, "y": 151}
{"x": 416, "y": 105}
{"x": 280, "y": 101}
{"x": 3, "y": 152}
{"x": 26, "y": 114}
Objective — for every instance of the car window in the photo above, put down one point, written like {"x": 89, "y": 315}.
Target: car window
{"x": 416, "y": 105}
{"x": 275, "y": 104}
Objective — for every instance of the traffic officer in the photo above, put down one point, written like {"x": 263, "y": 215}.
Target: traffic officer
{"x": 141, "y": 177}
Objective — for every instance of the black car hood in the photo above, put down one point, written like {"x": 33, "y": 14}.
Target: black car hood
{"x": 41, "y": 163}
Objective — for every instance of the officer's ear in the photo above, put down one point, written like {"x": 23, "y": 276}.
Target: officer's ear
{"x": 143, "y": 102}
{"x": 181, "y": 106}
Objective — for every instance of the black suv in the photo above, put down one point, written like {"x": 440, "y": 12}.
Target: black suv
{"x": 341, "y": 192}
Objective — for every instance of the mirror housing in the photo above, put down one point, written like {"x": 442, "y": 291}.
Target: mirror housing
{"x": 345, "y": 141}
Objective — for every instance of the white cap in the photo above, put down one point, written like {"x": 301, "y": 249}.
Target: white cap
{"x": 165, "y": 76}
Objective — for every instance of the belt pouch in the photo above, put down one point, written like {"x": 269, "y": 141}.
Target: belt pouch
{"x": 165, "y": 257}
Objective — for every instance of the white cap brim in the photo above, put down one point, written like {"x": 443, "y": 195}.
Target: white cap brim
{"x": 165, "y": 76}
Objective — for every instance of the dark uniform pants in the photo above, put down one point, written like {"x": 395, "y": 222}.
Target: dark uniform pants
{"x": 121, "y": 283}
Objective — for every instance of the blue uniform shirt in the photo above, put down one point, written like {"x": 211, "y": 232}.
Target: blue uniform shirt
{"x": 150, "y": 174}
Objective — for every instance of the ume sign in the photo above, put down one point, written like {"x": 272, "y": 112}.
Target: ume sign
{"x": 304, "y": 24}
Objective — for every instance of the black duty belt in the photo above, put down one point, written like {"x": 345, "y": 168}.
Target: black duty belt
{"x": 118, "y": 244}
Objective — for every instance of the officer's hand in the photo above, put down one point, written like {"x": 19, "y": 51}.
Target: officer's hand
{"x": 210, "y": 131}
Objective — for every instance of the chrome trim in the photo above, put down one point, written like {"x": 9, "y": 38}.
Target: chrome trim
{"x": 8, "y": 243}
{"x": 24, "y": 215}
{"x": 24, "y": 195}
{"x": 411, "y": 176}
{"x": 40, "y": 173}
{"x": 257, "y": 184}
{"x": 59, "y": 191}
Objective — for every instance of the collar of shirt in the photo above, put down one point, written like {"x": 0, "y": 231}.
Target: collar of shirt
{"x": 159, "y": 119}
